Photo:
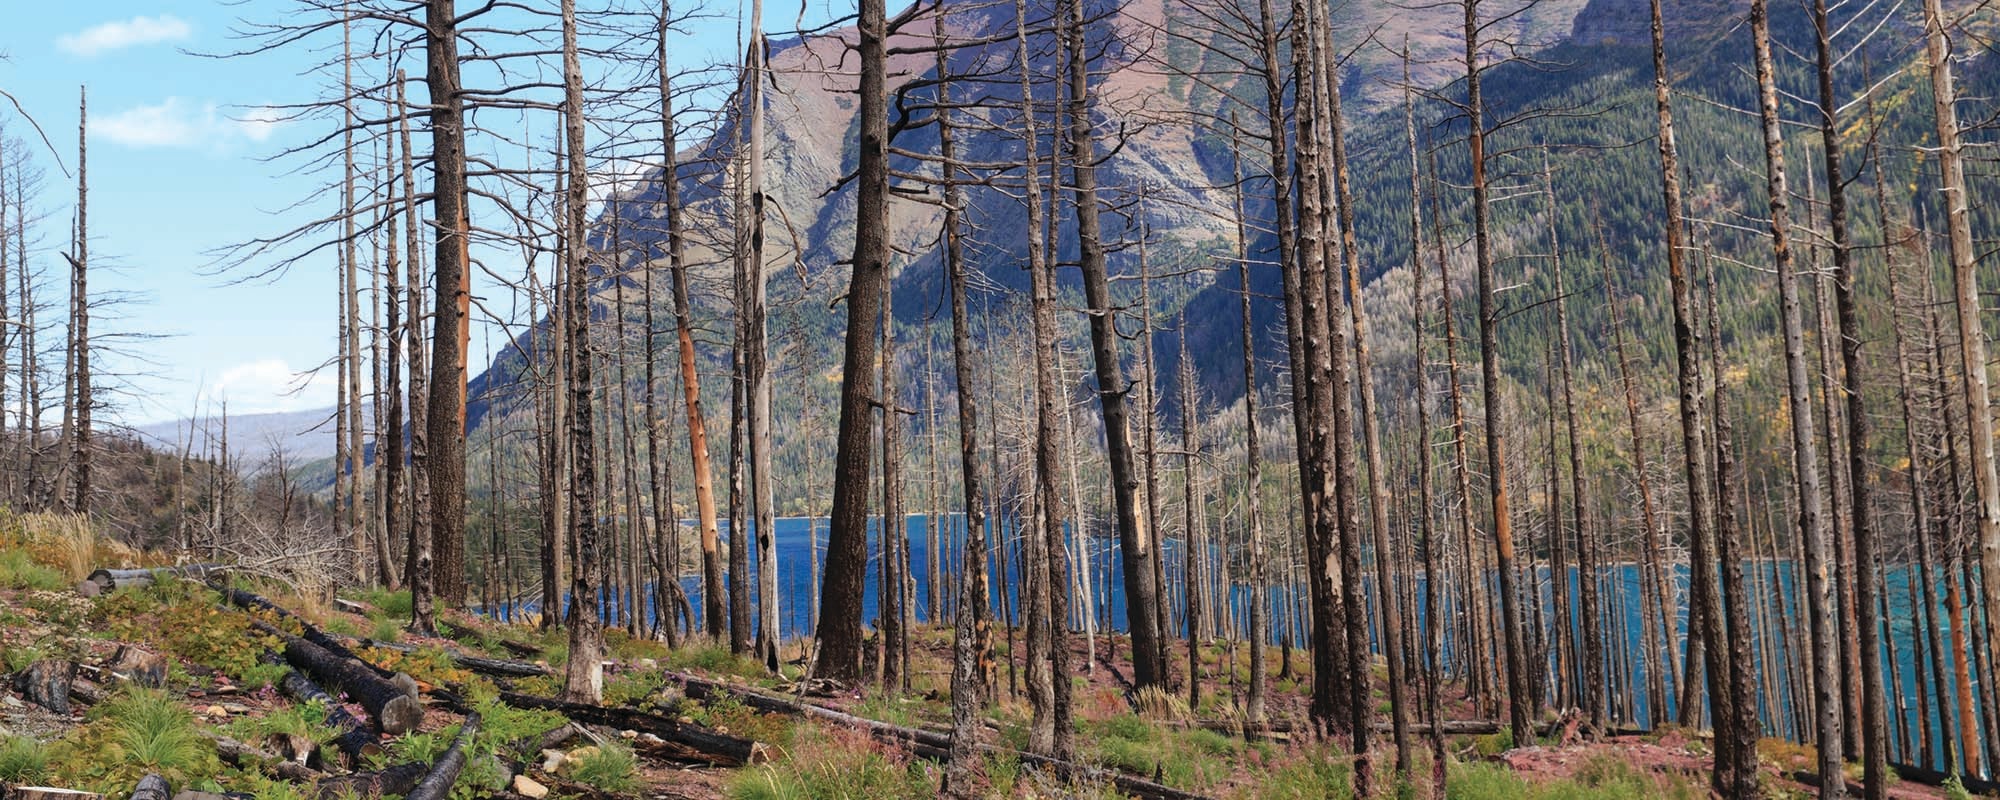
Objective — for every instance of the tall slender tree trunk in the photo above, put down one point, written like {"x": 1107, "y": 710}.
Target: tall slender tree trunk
{"x": 81, "y": 395}
{"x": 971, "y": 642}
{"x": 1386, "y": 593}
{"x": 1590, "y": 689}
{"x": 1142, "y": 592}
{"x": 583, "y": 675}
{"x": 1812, "y": 521}
{"x": 1519, "y": 701}
{"x": 446, "y": 415}
{"x": 1253, "y": 459}
{"x": 1864, "y": 614}
{"x": 1965, "y": 293}
{"x": 757, "y": 371}
{"x": 422, "y": 600}
{"x": 847, "y": 544}
{"x": 1732, "y": 775}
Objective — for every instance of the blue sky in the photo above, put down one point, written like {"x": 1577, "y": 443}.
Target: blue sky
{"x": 177, "y": 170}
{"x": 182, "y": 164}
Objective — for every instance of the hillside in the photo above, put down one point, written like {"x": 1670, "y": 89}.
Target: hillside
{"x": 1580, "y": 94}
{"x": 171, "y": 685}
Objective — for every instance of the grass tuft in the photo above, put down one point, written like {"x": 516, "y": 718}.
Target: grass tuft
{"x": 611, "y": 768}
{"x": 22, "y": 760}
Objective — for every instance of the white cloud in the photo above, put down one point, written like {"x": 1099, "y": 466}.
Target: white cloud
{"x": 120, "y": 34}
{"x": 179, "y": 123}
{"x": 257, "y": 124}
{"x": 270, "y": 385}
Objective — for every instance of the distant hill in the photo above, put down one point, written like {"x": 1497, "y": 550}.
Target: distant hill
{"x": 302, "y": 436}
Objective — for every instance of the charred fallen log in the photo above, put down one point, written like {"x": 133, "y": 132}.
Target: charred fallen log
{"x": 685, "y": 742}
{"x": 400, "y": 779}
{"x": 394, "y": 710}
{"x": 437, "y": 783}
{"x": 355, "y": 742}
{"x": 932, "y": 745}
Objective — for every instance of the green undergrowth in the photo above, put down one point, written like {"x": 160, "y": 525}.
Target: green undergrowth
{"x": 504, "y": 731}
{"x": 20, "y": 571}
{"x": 292, "y": 722}
{"x": 1305, "y": 773}
{"x": 1603, "y": 777}
{"x": 833, "y": 763}
{"x": 186, "y": 619}
{"x": 713, "y": 658}
{"x": 22, "y": 760}
{"x": 611, "y": 767}
{"x": 135, "y": 732}
{"x": 1184, "y": 758}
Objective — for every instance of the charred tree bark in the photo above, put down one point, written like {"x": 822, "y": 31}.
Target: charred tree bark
{"x": 445, "y": 417}
{"x": 583, "y": 679}
{"x": 1805, "y": 448}
{"x": 847, "y": 543}
{"x": 1142, "y": 593}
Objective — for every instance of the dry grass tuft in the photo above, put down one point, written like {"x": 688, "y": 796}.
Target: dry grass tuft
{"x": 1155, "y": 703}
{"x": 66, "y": 541}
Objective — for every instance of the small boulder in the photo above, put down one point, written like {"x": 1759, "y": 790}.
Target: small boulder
{"x": 527, "y": 787}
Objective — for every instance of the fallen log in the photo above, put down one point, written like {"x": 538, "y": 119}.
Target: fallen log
{"x": 927, "y": 744}
{"x": 151, "y": 787}
{"x": 110, "y": 580}
{"x": 394, "y": 711}
{"x": 46, "y": 793}
{"x": 355, "y": 741}
{"x": 46, "y": 683}
{"x": 457, "y": 631}
{"x": 437, "y": 783}
{"x": 240, "y": 755}
{"x": 1930, "y": 777}
{"x": 396, "y": 780}
{"x": 312, "y": 633}
{"x": 496, "y": 667}
{"x": 686, "y": 742}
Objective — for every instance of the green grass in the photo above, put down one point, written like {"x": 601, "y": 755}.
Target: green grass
{"x": 18, "y": 571}
{"x": 611, "y": 768}
{"x": 1184, "y": 758}
{"x": 136, "y": 732}
{"x": 713, "y": 658}
{"x": 386, "y": 629}
{"x": 1311, "y": 775}
{"x": 825, "y": 763}
{"x": 394, "y": 604}
{"x": 22, "y": 760}
{"x": 1603, "y": 777}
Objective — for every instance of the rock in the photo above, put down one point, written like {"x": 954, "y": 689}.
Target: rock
{"x": 577, "y": 756}
{"x": 527, "y": 787}
{"x": 217, "y": 712}
{"x": 628, "y": 735}
{"x": 552, "y": 760}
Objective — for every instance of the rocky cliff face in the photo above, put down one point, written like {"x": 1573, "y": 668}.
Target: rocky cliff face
{"x": 1165, "y": 167}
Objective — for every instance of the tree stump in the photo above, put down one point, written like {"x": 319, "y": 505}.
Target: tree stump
{"x": 151, "y": 787}
{"x": 46, "y": 683}
{"x": 139, "y": 666}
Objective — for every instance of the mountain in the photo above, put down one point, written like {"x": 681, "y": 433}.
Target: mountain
{"x": 254, "y": 439}
{"x": 1578, "y": 99}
